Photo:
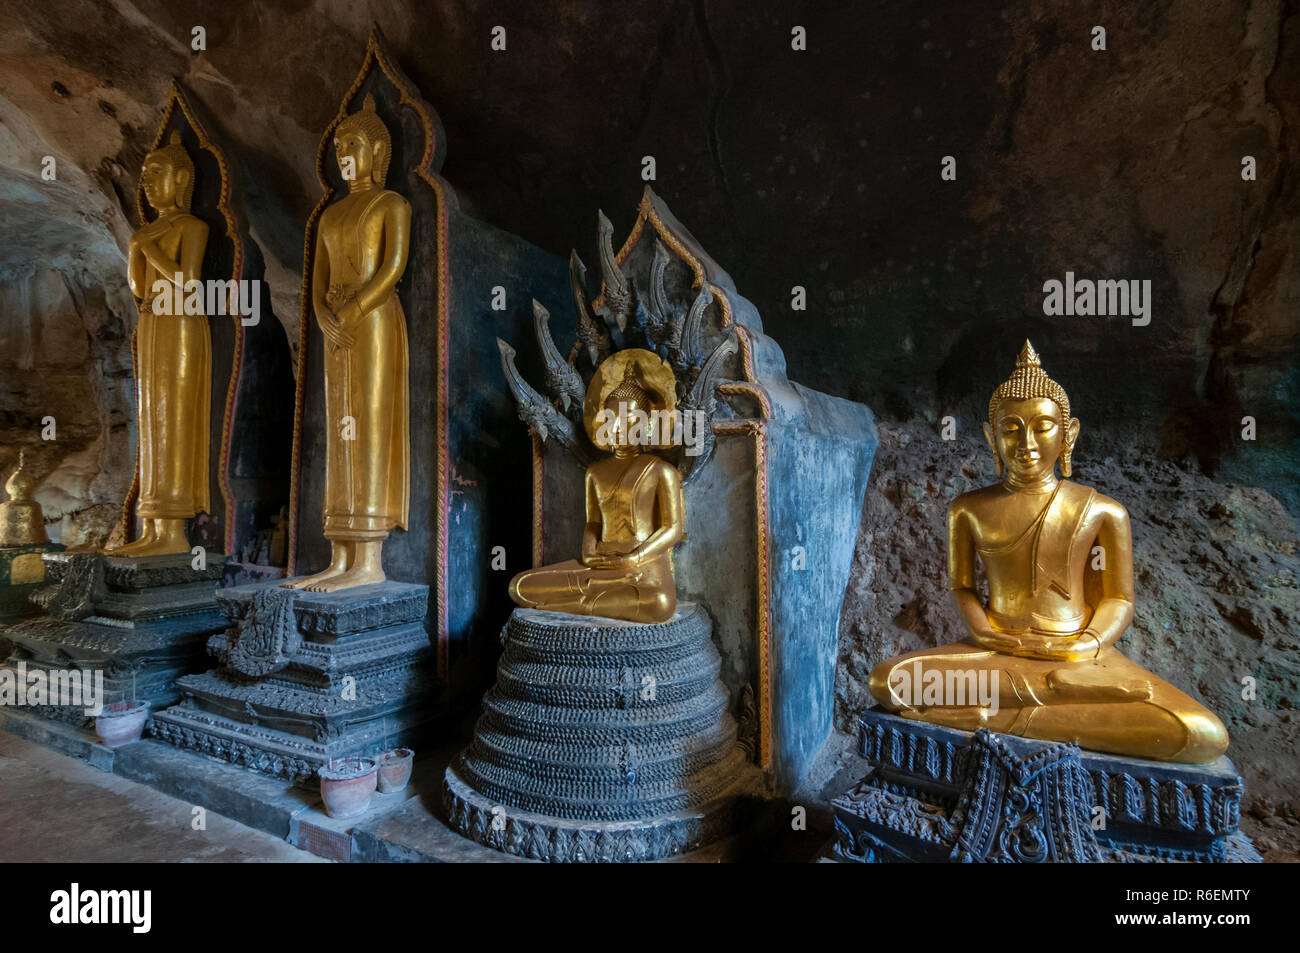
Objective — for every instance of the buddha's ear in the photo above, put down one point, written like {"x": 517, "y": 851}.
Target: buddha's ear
{"x": 1067, "y": 446}
{"x": 181, "y": 177}
{"x": 993, "y": 446}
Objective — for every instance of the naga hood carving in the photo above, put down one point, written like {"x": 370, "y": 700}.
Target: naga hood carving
{"x": 663, "y": 302}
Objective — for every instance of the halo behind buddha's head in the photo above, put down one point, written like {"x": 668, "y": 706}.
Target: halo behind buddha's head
{"x": 367, "y": 122}
{"x": 174, "y": 154}
{"x": 633, "y": 375}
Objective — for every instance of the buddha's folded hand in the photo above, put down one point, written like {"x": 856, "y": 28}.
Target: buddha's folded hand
{"x": 1069, "y": 648}
{"x": 995, "y": 641}
{"x": 349, "y": 315}
{"x": 333, "y": 330}
{"x": 615, "y": 561}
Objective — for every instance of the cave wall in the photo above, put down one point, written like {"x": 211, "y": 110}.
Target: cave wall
{"x": 818, "y": 169}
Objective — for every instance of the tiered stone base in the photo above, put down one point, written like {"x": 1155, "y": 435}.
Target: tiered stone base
{"x": 342, "y": 674}
{"x": 142, "y": 621}
{"x": 938, "y": 794}
{"x": 601, "y": 741}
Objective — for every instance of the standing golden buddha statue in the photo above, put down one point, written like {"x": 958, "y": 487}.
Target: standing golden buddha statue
{"x": 1059, "y": 562}
{"x": 634, "y": 503}
{"x": 173, "y": 358}
{"x": 361, "y": 247}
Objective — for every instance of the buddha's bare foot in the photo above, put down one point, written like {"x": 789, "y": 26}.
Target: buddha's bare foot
{"x": 1089, "y": 685}
{"x": 357, "y": 576}
{"x": 158, "y": 546}
{"x": 136, "y": 546}
{"x": 132, "y": 548}
{"x": 310, "y": 583}
{"x": 162, "y": 547}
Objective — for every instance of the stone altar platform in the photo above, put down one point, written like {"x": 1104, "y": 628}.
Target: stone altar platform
{"x": 306, "y": 677}
{"x": 142, "y": 621}
{"x": 939, "y": 794}
{"x": 601, "y": 741}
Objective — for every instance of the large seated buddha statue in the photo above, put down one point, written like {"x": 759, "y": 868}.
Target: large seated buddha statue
{"x": 634, "y": 503}
{"x": 1059, "y": 562}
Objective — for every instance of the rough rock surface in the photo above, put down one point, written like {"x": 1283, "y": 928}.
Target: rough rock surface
{"x": 1217, "y": 576}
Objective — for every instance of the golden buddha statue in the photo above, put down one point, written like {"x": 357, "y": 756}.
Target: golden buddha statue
{"x": 634, "y": 503}
{"x": 361, "y": 248}
{"x": 21, "y": 520}
{"x": 1059, "y": 562}
{"x": 173, "y": 358}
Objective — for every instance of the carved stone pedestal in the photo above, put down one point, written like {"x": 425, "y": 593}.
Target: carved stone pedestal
{"x": 306, "y": 677}
{"x": 601, "y": 741}
{"x": 142, "y": 621}
{"x": 938, "y": 794}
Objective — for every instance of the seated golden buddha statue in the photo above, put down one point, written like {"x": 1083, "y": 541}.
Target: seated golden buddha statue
{"x": 634, "y": 503}
{"x": 361, "y": 250}
{"x": 1059, "y": 562}
{"x": 173, "y": 358}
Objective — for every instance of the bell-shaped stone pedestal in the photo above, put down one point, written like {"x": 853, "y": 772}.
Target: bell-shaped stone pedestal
{"x": 601, "y": 741}
{"x": 939, "y": 794}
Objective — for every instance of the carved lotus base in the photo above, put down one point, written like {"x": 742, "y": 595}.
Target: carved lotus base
{"x": 938, "y": 794}
{"x": 601, "y": 741}
{"x": 557, "y": 840}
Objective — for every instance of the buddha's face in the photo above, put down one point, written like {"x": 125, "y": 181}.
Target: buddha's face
{"x": 355, "y": 153}
{"x": 626, "y": 422}
{"x": 162, "y": 181}
{"x": 1028, "y": 436}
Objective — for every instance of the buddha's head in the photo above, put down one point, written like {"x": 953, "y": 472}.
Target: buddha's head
{"x": 626, "y": 402}
{"x": 363, "y": 147}
{"x": 167, "y": 176}
{"x": 1030, "y": 426}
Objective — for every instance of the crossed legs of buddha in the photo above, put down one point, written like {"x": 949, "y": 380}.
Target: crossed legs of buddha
{"x": 646, "y": 595}
{"x": 1108, "y": 704}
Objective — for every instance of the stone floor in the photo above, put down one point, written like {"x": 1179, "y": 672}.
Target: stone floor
{"x": 56, "y": 808}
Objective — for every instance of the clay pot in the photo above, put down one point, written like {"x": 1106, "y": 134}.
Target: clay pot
{"x": 346, "y": 786}
{"x": 121, "y": 723}
{"x": 395, "y": 769}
